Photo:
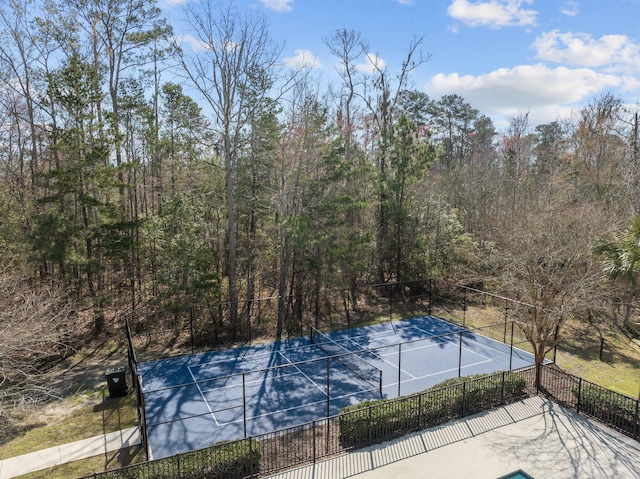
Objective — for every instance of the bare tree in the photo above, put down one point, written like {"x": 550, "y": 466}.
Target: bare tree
{"x": 600, "y": 151}
{"x": 347, "y": 46}
{"x": 516, "y": 148}
{"x": 548, "y": 265}
{"x": 35, "y": 328}
{"x": 235, "y": 55}
{"x": 18, "y": 55}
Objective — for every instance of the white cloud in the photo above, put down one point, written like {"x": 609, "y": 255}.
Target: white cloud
{"x": 406, "y": 2}
{"x": 546, "y": 92}
{"x": 493, "y": 13}
{"x": 580, "y": 49}
{"x": 570, "y": 9}
{"x": 198, "y": 45}
{"x": 372, "y": 64}
{"x": 195, "y": 44}
{"x": 278, "y": 5}
{"x": 302, "y": 59}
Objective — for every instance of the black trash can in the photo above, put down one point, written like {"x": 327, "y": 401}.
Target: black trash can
{"x": 117, "y": 382}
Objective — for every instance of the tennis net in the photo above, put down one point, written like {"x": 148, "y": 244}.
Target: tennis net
{"x": 349, "y": 359}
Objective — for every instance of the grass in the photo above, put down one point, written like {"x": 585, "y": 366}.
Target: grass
{"x": 86, "y": 467}
{"x": 578, "y": 351}
{"x": 617, "y": 370}
{"x": 67, "y": 422}
{"x": 86, "y": 410}
{"x": 90, "y": 412}
{"x": 71, "y": 419}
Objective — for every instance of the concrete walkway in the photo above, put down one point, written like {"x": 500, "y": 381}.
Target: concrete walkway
{"x": 539, "y": 437}
{"x": 54, "y": 456}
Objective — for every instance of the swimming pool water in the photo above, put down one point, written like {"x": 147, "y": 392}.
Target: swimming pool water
{"x": 517, "y": 475}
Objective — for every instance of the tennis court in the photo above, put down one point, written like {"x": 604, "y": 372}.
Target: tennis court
{"x": 195, "y": 401}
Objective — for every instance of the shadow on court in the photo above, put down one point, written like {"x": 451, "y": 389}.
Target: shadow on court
{"x": 198, "y": 400}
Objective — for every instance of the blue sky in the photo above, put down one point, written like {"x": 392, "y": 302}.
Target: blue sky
{"x": 504, "y": 57}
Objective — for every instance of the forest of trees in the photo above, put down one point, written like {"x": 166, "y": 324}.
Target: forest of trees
{"x": 139, "y": 175}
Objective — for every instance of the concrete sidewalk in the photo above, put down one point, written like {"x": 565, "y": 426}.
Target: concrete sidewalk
{"x": 54, "y": 456}
{"x": 537, "y": 436}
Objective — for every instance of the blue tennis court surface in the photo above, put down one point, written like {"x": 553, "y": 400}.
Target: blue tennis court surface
{"x": 195, "y": 401}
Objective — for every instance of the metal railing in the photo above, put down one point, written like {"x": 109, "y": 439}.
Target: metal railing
{"x": 136, "y": 381}
{"x": 590, "y": 400}
{"x": 323, "y": 438}
{"x": 319, "y": 439}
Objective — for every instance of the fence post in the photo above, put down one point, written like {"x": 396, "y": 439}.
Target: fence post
{"x": 316, "y": 308}
{"x": 249, "y": 313}
{"x": 327, "y": 435}
{"x": 251, "y": 457}
{"x": 328, "y": 389}
{"x": 390, "y": 301}
{"x": 511, "y": 349}
{"x": 430, "y": 296}
{"x": 635, "y": 432}
{"x": 464, "y": 309}
{"x": 348, "y": 308}
{"x": 506, "y": 318}
{"x": 420, "y": 411}
{"x": 313, "y": 430}
{"x": 399, "y": 367}
{"x": 244, "y": 404}
{"x": 142, "y": 416}
{"x": 460, "y": 357}
{"x": 464, "y": 398}
{"x": 193, "y": 344}
{"x": 579, "y": 395}
{"x": 370, "y": 427}
{"x": 502, "y": 388}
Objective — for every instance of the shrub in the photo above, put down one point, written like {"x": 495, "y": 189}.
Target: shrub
{"x": 228, "y": 460}
{"x": 375, "y": 421}
{"x": 607, "y": 406}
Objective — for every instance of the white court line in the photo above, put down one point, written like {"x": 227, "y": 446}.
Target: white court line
{"x": 305, "y": 405}
{"x": 265, "y": 379}
{"x": 395, "y": 365}
{"x": 432, "y": 345}
{"x": 203, "y": 398}
{"x": 326, "y": 393}
{"x": 428, "y": 337}
{"x": 242, "y": 359}
{"x": 259, "y": 380}
{"x": 395, "y": 329}
{"x": 226, "y": 361}
{"x": 426, "y": 346}
{"x": 440, "y": 372}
